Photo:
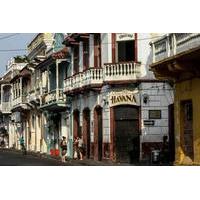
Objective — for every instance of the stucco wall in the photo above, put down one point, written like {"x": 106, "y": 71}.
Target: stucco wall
{"x": 187, "y": 90}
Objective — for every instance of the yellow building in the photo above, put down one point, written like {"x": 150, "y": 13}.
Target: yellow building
{"x": 176, "y": 57}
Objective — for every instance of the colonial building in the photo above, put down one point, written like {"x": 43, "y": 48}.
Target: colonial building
{"x": 87, "y": 84}
{"x": 10, "y": 99}
{"x": 175, "y": 57}
{"x": 118, "y": 106}
{"x": 53, "y": 71}
{"x": 5, "y": 107}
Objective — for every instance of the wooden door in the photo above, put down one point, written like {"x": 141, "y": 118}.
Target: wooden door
{"x": 98, "y": 135}
{"x": 187, "y": 128}
{"x": 86, "y": 131}
{"x": 127, "y": 142}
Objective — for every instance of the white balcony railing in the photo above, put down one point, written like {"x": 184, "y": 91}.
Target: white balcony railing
{"x": 173, "y": 44}
{"x": 53, "y": 96}
{"x": 110, "y": 72}
{"x": 121, "y": 71}
{"x": 92, "y": 76}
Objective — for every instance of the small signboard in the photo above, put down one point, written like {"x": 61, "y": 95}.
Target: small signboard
{"x": 154, "y": 114}
{"x": 125, "y": 36}
{"x": 149, "y": 122}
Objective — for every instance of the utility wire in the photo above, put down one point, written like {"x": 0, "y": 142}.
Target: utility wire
{"x": 9, "y": 36}
{"x": 105, "y": 43}
{"x": 8, "y": 50}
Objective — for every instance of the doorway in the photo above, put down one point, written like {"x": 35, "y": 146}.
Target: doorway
{"x": 187, "y": 126}
{"x": 126, "y": 51}
{"x": 98, "y": 135}
{"x": 76, "y": 124}
{"x": 86, "y": 130}
{"x": 126, "y": 132}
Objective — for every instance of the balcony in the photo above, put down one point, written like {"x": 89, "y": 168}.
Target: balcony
{"x": 95, "y": 77}
{"x": 54, "y": 100}
{"x": 126, "y": 71}
{"x": 20, "y": 102}
{"x": 176, "y": 56}
{"x": 6, "y": 107}
{"x": 174, "y": 44}
{"x": 34, "y": 96}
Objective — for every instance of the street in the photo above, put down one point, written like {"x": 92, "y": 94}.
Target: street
{"x": 15, "y": 158}
{"x": 8, "y": 158}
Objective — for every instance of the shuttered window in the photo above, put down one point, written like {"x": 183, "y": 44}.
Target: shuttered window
{"x": 86, "y": 54}
{"x": 97, "y": 50}
{"x": 76, "y": 59}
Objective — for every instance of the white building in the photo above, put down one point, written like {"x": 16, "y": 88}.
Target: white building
{"x": 117, "y": 105}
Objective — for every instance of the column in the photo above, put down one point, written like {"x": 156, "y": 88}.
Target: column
{"x": 80, "y": 56}
{"x": 168, "y": 46}
{"x": 174, "y": 43}
{"x": 57, "y": 80}
{"x": 91, "y": 50}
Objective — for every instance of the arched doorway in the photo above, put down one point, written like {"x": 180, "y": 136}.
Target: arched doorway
{"x": 86, "y": 130}
{"x": 76, "y": 123}
{"x": 98, "y": 135}
{"x": 126, "y": 133}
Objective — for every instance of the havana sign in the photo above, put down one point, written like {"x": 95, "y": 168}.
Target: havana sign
{"x": 122, "y": 97}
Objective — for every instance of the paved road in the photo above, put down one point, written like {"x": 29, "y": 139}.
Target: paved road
{"x": 17, "y": 159}
{"x": 12, "y": 158}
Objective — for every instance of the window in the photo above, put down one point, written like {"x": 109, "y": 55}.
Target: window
{"x": 126, "y": 51}
{"x": 86, "y": 54}
{"x": 76, "y": 59}
{"x": 97, "y": 50}
{"x": 154, "y": 114}
{"x": 188, "y": 111}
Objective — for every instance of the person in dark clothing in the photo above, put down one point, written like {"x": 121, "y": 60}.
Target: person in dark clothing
{"x": 63, "y": 146}
{"x": 165, "y": 150}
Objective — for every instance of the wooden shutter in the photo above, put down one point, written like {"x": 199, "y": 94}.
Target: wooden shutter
{"x": 97, "y": 50}
{"x": 85, "y": 54}
{"x": 76, "y": 59}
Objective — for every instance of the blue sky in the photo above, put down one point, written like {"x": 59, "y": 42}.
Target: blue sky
{"x": 13, "y": 41}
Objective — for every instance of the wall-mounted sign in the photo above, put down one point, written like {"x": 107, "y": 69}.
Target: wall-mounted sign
{"x": 149, "y": 122}
{"x": 154, "y": 114}
{"x": 125, "y": 36}
{"x": 122, "y": 97}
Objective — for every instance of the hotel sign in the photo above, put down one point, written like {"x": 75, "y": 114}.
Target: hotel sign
{"x": 125, "y": 36}
{"x": 122, "y": 97}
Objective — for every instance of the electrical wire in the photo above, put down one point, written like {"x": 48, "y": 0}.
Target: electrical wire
{"x": 104, "y": 43}
{"x": 9, "y": 36}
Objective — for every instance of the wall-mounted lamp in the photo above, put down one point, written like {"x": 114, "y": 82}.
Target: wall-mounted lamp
{"x": 145, "y": 98}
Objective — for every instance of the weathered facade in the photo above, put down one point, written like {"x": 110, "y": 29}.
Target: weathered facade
{"x": 95, "y": 85}
{"x": 176, "y": 57}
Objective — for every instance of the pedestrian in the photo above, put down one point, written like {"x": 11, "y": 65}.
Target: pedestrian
{"x": 75, "y": 156}
{"x": 63, "y": 146}
{"x": 23, "y": 148}
{"x": 165, "y": 150}
{"x": 80, "y": 147}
